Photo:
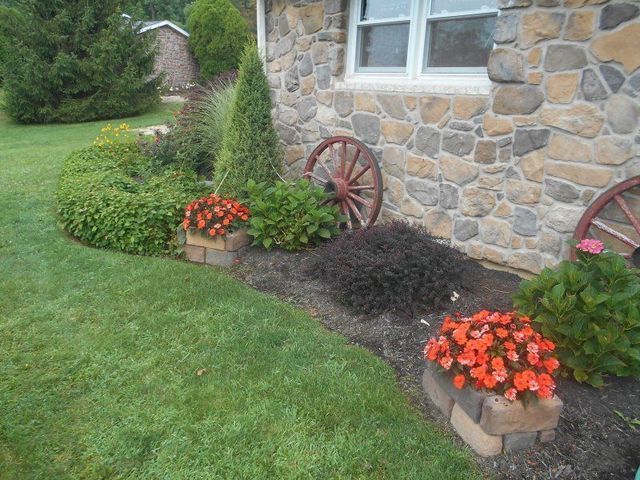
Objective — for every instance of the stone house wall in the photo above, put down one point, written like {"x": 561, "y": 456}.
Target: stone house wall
{"x": 505, "y": 176}
{"x": 174, "y": 58}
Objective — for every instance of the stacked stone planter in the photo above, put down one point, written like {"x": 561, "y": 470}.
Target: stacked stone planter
{"x": 491, "y": 424}
{"x": 221, "y": 250}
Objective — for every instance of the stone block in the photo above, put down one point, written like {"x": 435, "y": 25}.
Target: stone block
{"x": 563, "y": 57}
{"x": 527, "y": 261}
{"x": 392, "y": 105}
{"x": 343, "y": 103}
{"x": 467, "y": 399}
{"x": 421, "y": 167}
{"x": 622, "y": 114}
{"x": 477, "y": 202}
{"x": 614, "y": 77}
{"x": 532, "y": 165}
{"x": 525, "y": 222}
{"x": 618, "y": 47}
{"x": 565, "y": 147}
{"x": 614, "y": 14}
{"x": 438, "y": 223}
{"x": 517, "y": 99}
{"x": 482, "y": 443}
{"x": 448, "y": 196}
{"x": 458, "y": 171}
{"x": 506, "y": 28}
{"x": 494, "y": 125}
{"x": 465, "y": 229}
{"x": 433, "y": 108}
{"x": 458, "y": 143}
{"x": 427, "y": 141}
{"x": 562, "y": 87}
{"x": 495, "y": 232}
{"x": 194, "y": 253}
{"x": 581, "y": 174}
{"x": 220, "y": 258}
{"x": 561, "y": 191}
{"x": 579, "y": 26}
{"x": 312, "y": 17}
{"x": 613, "y": 150}
{"x": 485, "y": 152}
{"x": 426, "y": 193}
{"x": 500, "y": 416}
{"x": 546, "y": 436}
{"x": 580, "y": 119}
{"x": 522, "y": 192}
{"x": 437, "y": 395}
{"x": 396, "y": 132}
{"x": 539, "y": 25}
{"x": 592, "y": 87}
{"x": 366, "y": 127}
{"x": 467, "y": 107}
{"x": 563, "y": 219}
{"x": 365, "y": 102}
{"x": 506, "y": 65}
{"x": 519, "y": 441}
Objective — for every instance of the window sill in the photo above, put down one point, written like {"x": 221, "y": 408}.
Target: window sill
{"x": 448, "y": 84}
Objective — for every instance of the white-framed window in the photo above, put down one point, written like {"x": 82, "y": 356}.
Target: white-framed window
{"x": 419, "y": 39}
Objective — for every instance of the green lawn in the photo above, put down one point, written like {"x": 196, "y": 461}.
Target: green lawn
{"x": 99, "y": 353}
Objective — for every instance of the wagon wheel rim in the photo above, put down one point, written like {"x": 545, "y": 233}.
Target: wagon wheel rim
{"x": 614, "y": 218}
{"x": 349, "y": 173}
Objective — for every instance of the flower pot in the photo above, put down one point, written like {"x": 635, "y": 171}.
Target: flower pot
{"x": 220, "y": 250}
{"x": 487, "y": 422}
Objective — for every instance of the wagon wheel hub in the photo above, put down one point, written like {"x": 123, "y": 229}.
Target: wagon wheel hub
{"x": 349, "y": 173}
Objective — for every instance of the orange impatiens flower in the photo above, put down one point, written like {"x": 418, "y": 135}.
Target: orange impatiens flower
{"x": 215, "y": 215}
{"x": 495, "y": 351}
{"x": 458, "y": 381}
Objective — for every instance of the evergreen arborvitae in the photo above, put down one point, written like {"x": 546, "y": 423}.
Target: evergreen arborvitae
{"x": 76, "y": 61}
{"x": 218, "y": 35}
{"x": 250, "y": 148}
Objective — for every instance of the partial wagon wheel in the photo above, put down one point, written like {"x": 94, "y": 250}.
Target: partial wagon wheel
{"x": 614, "y": 219}
{"x": 349, "y": 173}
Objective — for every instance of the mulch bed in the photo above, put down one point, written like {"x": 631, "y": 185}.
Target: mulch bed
{"x": 593, "y": 440}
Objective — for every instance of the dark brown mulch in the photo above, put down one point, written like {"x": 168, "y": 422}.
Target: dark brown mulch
{"x": 593, "y": 440}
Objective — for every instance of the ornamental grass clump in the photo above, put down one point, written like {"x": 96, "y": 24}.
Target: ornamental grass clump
{"x": 590, "y": 308}
{"x": 215, "y": 216}
{"x": 497, "y": 352}
{"x": 391, "y": 267}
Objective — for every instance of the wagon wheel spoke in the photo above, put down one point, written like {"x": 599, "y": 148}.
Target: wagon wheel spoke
{"x": 325, "y": 168}
{"x": 334, "y": 159}
{"x": 345, "y": 212}
{"x": 614, "y": 233}
{"x": 316, "y": 178}
{"x": 624, "y": 206}
{"x": 356, "y": 212}
{"x": 358, "y": 188}
{"x": 343, "y": 159}
{"x": 352, "y": 164}
{"x": 360, "y": 200}
{"x": 364, "y": 170}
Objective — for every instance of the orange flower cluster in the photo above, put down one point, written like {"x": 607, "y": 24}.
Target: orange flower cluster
{"x": 496, "y": 351}
{"x": 214, "y": 215}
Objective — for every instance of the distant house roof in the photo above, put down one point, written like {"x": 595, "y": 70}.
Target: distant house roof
{"x": 146, "y": 26}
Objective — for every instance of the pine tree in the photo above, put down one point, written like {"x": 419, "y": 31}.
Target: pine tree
{"x": 218, "y": 35}
{"x": 250, "y": 148}
{"x": 78, "y": 61}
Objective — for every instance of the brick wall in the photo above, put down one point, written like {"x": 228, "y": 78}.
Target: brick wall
{"x": 505, "y": 176}
{"x": 174, "y": 58}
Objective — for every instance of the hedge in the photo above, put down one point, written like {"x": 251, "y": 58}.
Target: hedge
{"x": 105, "y": 199}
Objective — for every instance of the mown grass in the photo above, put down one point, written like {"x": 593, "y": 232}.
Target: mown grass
{"x": 99, "y": 354}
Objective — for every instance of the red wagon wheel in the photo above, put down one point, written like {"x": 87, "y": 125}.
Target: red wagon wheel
{"x": 349, "y": 173}
{"x": 614, "y": 219}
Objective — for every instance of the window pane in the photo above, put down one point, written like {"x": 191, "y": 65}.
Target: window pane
{"x": 450, "y": 6}
{"x": 380, "y": 9}
{"x": 460, "y": 43}
{"x": 384, "y": 46}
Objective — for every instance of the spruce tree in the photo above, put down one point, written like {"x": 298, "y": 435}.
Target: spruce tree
{"x": 250, "y": 148}
{"x": 78, "y": 61}
{"x": 218, "y": 35}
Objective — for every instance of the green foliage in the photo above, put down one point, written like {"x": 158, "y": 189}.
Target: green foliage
{"x": 251, "y": 148}
{"x": 196, "y": 139}
{"x": 78, "y": 61}
{"x": 591, "y": 310}
{"x": 105, "y": 200}
{"x": 218, "y": 35}
{"x": 290, "y": 215}
{"x": 10, "y": 24}
{"x": 158, "y": 9}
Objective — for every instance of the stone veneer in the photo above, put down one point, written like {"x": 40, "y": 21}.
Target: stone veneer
{"x": 174, "y": 58}
{"x": 506, "y": 176}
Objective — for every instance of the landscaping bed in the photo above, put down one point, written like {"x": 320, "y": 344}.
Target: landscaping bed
{"x": 593, "y": 440}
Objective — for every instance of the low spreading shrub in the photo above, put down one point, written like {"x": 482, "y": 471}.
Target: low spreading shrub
{"x": 494, "y": 351}
{"x": 214, "y": 216}
{"x": 106, "y": 198}
{"x": 290, "y": 215}
{"x": 390, "y": 267}
{"x": 591, "y": 309}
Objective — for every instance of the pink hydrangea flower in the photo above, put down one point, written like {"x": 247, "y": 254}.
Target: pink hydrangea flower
{"x": 590, "y": 245}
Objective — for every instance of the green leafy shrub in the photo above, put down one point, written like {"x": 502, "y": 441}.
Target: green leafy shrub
{"x": 290, "y": 215}
{"x": 105, "y": 200}
{"x": 77, "y": 61}
{"x": 591, "y": 310}
{"x": 218, "y": 35}
{"x": 195, "y": 140}
{"x": 250, "y": 148}
{"x": 396, "y": 266}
